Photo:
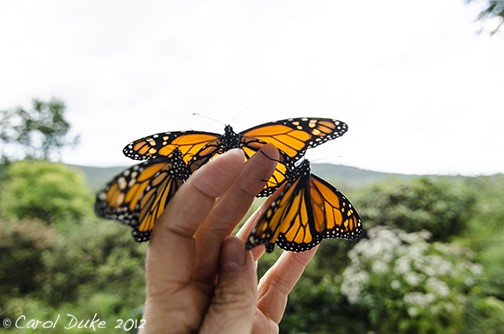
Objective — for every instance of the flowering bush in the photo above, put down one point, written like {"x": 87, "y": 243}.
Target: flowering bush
{"x": 407, "y": 284}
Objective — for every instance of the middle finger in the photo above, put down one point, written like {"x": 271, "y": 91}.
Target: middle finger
{"x": 229, "y": 210}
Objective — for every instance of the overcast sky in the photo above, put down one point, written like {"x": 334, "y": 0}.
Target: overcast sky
{"x": 420, "y": 89}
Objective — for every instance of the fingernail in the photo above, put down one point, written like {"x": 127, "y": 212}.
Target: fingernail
{"x": 233, "y": 254}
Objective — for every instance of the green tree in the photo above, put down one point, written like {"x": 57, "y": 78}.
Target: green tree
{"x": 36, "y": 133}
{"x": 46, "y": 191}
{"x": 493, "y": 9}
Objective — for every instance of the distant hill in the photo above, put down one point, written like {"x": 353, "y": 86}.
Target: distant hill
{"x": 349, "y": 177}
{"x": 97, "y": 177}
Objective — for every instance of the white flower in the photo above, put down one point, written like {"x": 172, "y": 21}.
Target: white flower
{"x": 417, "y": 249}
{"x": 424, "y": 234}
{"x": 476, "y": 269}
{"x": 354, "y": 282}
{"x": 413, "y": 311}
{"x": 395, "y": 284}
{"x": 437, "y": 286}
{"x": 429, "y": 270}
{"x": 442, "y": 266}
{"x": 449, "y": 307}
{"x": 379, "y": 267}
{"x": 402, "y": 266}
{"x": 413, "y": 279}
{"x": 419, "y": 299}
{"x": 411, "y": 238}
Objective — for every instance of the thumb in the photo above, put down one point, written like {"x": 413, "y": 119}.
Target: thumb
{"x": 233, "y": 307}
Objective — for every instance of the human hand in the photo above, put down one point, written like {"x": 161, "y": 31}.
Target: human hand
{"x": 201, "y": 280}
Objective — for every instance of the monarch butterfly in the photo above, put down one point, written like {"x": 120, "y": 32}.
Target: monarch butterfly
{"x": 307, "y": 210}
{"x": 138, "y": 195}
{"x": 291, "y": 136}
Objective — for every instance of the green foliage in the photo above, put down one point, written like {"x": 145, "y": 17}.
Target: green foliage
{"x": 440, "y": 207}
{"x": 78, "y": 264}
{"x": 3, "y": 174}
{"x": 332, "y": 257}
{"x": 81, "y": 269}
{"x": 103, "y": 258}
{"x": 22, "y": 245}
{"x": 409, "y": 285}
{"x": 36, "y": 133}
{"x": 485, "y": 231}
{"x": 484, "y": 315}
{"x": 393, "y": 282}
{"x": 318, "y": 306}
{"x": 47, "y": 191}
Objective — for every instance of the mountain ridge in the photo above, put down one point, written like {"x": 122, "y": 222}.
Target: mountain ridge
{"x": 350, "y": 177}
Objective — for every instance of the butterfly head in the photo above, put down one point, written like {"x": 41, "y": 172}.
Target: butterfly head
{"x": 230, "y": 139}
{"x": 295, "y": 171}
{"x": 305, "y": 166}
{"x": 176, "y": 154}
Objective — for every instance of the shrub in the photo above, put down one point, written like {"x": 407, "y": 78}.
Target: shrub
{"x": 440, "y": 207}
{"x": 407, "y": 284}
{"x": 22, "y": 245}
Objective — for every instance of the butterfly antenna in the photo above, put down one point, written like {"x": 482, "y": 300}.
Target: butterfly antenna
{"x": 207, "y": 117}
{"x": 239, "y": 114}
{"x": 326, "y": 158}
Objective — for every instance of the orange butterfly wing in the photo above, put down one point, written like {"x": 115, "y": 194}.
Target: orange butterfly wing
{"x": 139, "y": 195}
{"x": 292, "y": 137}
{"x": 162, "y": 144}
{"x": 307, "y": 210}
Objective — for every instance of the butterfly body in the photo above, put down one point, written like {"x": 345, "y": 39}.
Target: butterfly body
{"x": 230, "y": 139}
{"x": 307, "y": 210}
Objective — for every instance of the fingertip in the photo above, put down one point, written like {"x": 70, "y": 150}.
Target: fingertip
{"x": 219, "y": 173}
{"x": 235, "y": 153}
{"x": 270, "y": 151}
{"x": 233, "y": 254}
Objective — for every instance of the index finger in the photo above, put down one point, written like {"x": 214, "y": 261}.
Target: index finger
{"x": 171, "y": 251}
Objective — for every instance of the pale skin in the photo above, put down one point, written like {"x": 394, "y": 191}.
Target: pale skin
{"x": 200, "y": 279}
